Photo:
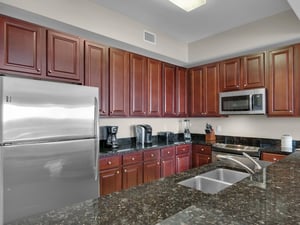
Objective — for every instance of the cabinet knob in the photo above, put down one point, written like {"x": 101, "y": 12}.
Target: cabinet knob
{"x": 132, "y": 158}
{"x": 152, "y": 155}
{"x": 202, "y": 149}
{"x": 157, "y": 163}
{"x": 237, "y": 86}
{"x": 275, "y": 159}
{"x": 125, "y": 171}
{"x": 117, "y": 172}
{"x": 109, "y": 162}
{"x": 245, "y": 85}
{"x": 49, "y": 71}
{"x": 38, "y": 69}
{"x": 169, "y": 152}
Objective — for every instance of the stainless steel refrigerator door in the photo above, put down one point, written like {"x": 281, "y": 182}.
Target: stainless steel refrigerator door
{"x": 34, "y": 110}
{"x": 42, "y": 177}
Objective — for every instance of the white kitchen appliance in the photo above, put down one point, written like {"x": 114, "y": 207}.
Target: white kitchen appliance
{"x": 286, "y": 143}
{"x": 49, "y": 143}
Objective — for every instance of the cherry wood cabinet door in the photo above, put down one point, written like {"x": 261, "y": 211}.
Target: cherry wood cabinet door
{"x": 119, "y": 82}
{"x": 199, "y": 159}
{"x": 168, "y": 167}
{"x": 110, "y": 181}
{"x": 169, "y": 90}
{"x": 182, "y": 162}
{"x": 132, "y": 175}
{"x": 181, "y": 92}
{"x": 253, "y": 71}
{"x": 96, "y": 72}
{"x": 211, "y": 90}
{"x": 280, "y": 82}
{"x": 196, "y": 83}
{"x": 151, "y": 171}
{"x": 230, "y": 74}
{"x": 138, "y": 85}
{"x": 154, "y": 88}
{"x": 64, "y": 56}
{"x": 22, "y": 47}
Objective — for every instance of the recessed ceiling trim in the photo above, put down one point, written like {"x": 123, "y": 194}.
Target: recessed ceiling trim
{"x": 188, "y": 5}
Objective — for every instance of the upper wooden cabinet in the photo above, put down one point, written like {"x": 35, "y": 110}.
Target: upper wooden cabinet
{"x": 64, "y": 56}
{"x": 253, "y": 71}
{"x": 280, "y": 82}
{"x": 96, "y": 72}
{"x": 119, "y": 82}
{"x": 169, "y": 90}
{"x": 230, "y": 74}
{"x": 204, "y": 90}
{"x": 154, "y": 88}
{"x": 243, "y": 73}
{"x": 22, "y": 47}
{"x": 138, "y": 85}
{"x": 181, "y": 92}
{"x": 31, "y": 50}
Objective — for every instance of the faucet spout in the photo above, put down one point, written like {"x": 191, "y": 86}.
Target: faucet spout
{"x": 235, "y": 160}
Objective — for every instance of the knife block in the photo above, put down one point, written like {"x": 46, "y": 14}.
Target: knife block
{"x": 211, "y": 137}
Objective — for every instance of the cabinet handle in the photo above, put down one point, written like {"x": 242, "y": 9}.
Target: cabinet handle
{"x": 38, "y": 69}
{"x": 109, "y": 162}
{"x": 50, "y": 71}
{"x": 168, "y": 152}
{"x": 157, "y": 163}
{"x": 117, "y": 172}
{"x": 237, "y": 86}
{"x": 152, "y": 155}
{"x": 245, "y": 85}
{"x": 274, "y": 159}
{"x": 132, "y": 158}
{"x": 202, "y": 149}
{"x": 125, "y": 171}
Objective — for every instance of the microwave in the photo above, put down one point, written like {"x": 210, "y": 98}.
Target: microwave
{"x": 252, "y": 101}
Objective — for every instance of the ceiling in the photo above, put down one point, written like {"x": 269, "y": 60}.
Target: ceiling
{"x": 215, "y": 17}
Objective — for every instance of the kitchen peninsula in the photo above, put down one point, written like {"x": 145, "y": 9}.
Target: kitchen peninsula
{"x": 277, "y": 201}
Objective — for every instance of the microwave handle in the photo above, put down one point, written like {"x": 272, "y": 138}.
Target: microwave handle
{"x": 251, "y": 102}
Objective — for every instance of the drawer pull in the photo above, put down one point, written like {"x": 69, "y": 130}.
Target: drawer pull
{"x": 157, "y": 163}
{"x": 152, "y": 155}
{"x": 125, "y": 171}
{"x": 132, "y": 158}
{"x": 274, "y": 159}
{"x": 202, "y": 149}
{"x": 169, "y": 152}
{"x": 109, "y": 162}
{"x": 117, "y": 172}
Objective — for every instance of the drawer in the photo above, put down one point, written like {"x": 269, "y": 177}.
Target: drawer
{"x": 168, "y": 152}
{"x": 203, "y": 149}
{"x": 132, "y": 158}
{"x": 109, "y": 162}
{"x": 182, "y": 149}
{"x": 272, "y": 157}
{"x": 151, "y": 155}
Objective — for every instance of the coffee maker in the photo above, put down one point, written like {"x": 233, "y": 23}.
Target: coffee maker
{"x": 112, "y": 140}
{"x": 143, "y": 134}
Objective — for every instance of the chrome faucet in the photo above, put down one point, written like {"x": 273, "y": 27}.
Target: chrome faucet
{"x": 247, "y": 168}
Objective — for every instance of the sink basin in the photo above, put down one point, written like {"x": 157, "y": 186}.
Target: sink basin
{"x": 215, "y": 180}
{"x": 226, "y": 175}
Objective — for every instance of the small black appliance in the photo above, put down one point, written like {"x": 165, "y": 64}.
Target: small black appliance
{"x": 112, "y": 140}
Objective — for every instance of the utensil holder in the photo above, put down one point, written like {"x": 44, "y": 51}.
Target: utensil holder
{"x": 211, "y": 137}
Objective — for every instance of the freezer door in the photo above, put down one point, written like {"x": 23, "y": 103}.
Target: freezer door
{"x": 34, "y": 110}
{"x": 42, "y": 177}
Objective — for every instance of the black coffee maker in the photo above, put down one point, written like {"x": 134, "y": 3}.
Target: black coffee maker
{"x": 112, "y": 140}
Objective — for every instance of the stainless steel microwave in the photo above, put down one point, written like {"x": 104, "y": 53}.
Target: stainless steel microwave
{"x": 252, "y": 101}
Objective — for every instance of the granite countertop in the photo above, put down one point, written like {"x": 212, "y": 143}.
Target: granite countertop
{"x": 277, "y": 201}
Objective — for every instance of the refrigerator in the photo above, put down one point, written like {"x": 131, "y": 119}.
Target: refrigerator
{"x": 49, "y": 146}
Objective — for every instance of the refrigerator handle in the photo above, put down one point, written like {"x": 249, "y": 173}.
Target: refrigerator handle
{"x": 96, "y": 131}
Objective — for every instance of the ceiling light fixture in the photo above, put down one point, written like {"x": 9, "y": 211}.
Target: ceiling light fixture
{"x": 188, "y": 5}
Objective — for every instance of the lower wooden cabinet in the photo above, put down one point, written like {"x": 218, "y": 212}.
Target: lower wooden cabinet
{"x": 183, "y": 158}
{"x": 271, "y": 157}
{"x": 201, "y": 155}
{"x": 110, "y": 176}
{"x": 132, "y": 174}
{"x": 168, "y": 163}
{"x": 151, "y": 165}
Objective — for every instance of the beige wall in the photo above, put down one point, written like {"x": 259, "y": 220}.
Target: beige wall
{"x": 248, "y": 126}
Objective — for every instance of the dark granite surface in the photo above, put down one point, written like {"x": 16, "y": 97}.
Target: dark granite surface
{"x": 275, "y": 201}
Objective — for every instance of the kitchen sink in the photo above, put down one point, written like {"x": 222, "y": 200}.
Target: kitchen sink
{"x": 215, "y": 180}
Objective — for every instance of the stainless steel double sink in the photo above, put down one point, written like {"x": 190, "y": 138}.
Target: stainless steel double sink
{"x": 215, "y": 180}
